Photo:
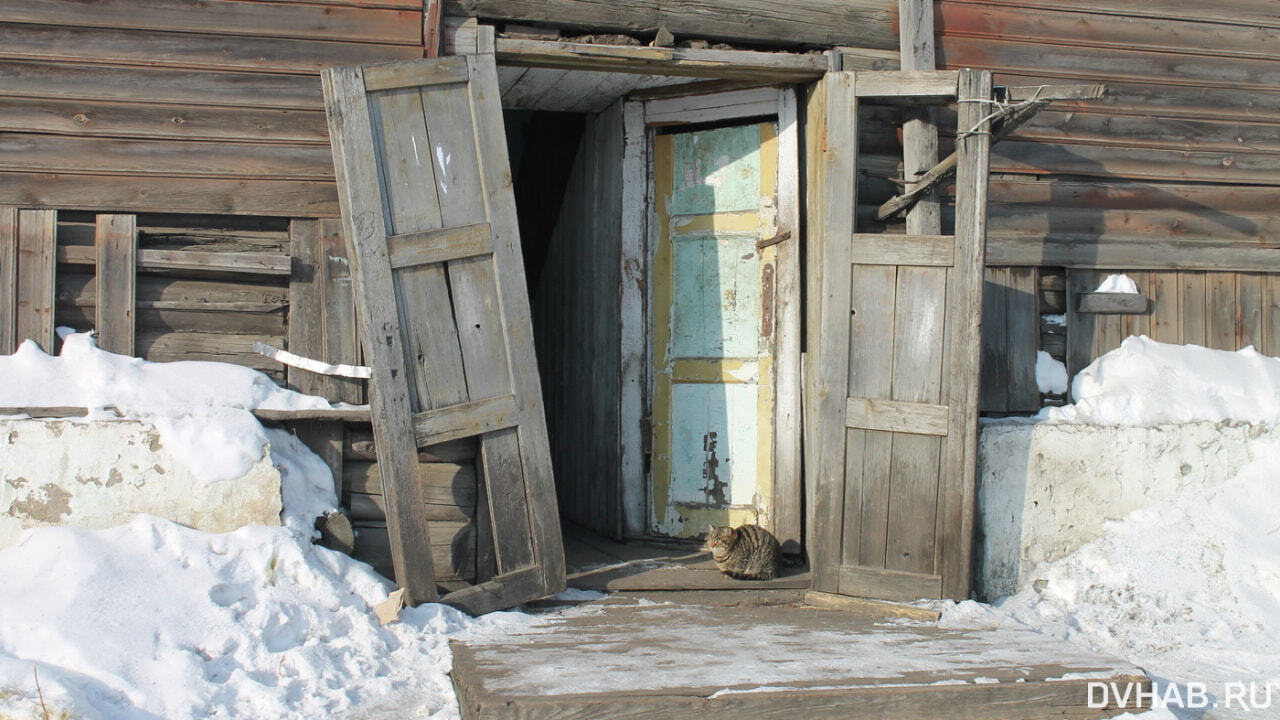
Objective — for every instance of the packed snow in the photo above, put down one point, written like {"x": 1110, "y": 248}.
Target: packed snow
{"x": 1051, "y": 374}
{"x": 153, "y": 620}
{"x": 1118, "y": 284}
{"x": 1188, "y": 589}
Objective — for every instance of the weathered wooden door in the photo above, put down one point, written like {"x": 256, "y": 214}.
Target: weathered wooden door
{"x": 893, "y": 365}
{"x": 714, "y": 201}
{"x": 427, "y": 204}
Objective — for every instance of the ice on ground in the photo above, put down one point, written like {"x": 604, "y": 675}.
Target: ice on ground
{"x": 1051, "y": 374}
{"x": 1146, "y": 383}
{"x": 1118, "y": 284}
{"x": 201, "y": 409}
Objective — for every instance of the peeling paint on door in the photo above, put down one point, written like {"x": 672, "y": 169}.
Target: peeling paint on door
{"x": 712, "y": 297}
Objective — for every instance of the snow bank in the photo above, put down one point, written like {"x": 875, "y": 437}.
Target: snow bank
{"x": 1146, "y": 383}
{"x": 1051, "y": 374}
{"x": 1118, "y": 284}
{"x": 197, "y": 406}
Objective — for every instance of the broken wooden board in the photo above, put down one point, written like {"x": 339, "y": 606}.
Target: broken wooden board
{"x": 674, "y": 660}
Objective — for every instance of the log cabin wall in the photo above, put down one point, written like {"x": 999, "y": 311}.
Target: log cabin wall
{"x": 1172, "y": 177}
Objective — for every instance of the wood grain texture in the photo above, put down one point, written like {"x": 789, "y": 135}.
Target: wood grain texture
{"x": 35, "y": 277}
{"x": 117, "y": 247}
{"x": 365, "y": 228}
{"x": 963, "y": 341}
{"x": 861, "y": 23}
{"x": 8, "y": 279}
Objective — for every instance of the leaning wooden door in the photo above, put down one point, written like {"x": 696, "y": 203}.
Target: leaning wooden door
{"x": 894, "y": 369}
{"x": 428, "y": 209}
{"x": 715, "y": 200}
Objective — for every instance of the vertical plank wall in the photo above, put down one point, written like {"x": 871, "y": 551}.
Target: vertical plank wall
{"x": 576, "y": 309}
{"x": 1171, "y": 178}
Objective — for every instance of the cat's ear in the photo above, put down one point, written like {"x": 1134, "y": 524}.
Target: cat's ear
{"x": 711, "y": 529}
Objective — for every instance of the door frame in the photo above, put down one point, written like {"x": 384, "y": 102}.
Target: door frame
{"x": 640, "y": 118}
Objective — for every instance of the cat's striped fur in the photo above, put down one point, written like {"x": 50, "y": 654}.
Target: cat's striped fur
{"x": 748, "y": 552}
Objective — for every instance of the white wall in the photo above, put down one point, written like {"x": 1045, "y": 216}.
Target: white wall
{"x": 1044, "y": 489}
{"x": 101, "y": 474}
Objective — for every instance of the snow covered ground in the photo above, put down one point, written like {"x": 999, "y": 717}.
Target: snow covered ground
{"x": 153, "y": 620}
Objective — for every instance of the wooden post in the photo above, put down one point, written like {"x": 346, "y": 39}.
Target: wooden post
{"x": 919, "y": 131}
{"x": 8, "y": 279}
{"x": 431, "y": 23}
{"x": 116, "y": 239}
{"x": 37, "y": 232}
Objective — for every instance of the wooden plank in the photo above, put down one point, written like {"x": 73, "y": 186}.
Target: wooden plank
{"x": 250, "y": 263}
{"x": 1221, "y": 311}
{"x": 916, "y": 84}
{"x": 1195, "y": 306}
{"x": 495, "y": 593}
{"x": 164, "y": 346}
{"x": 1038, "y": 158}
{"x": 164, "y": 85}
{"x": 185, "y": 50}
{"x": 1166, "y": 307}
{"x": 117, "y": 247}
{"x": 35, "y": 277}
{"x": 341, "y": 337}
{"x": 1110, "y": 303}
{"x": 436, "y": 246}
{"x": 177, "y": 158}
{"x": 168, "y": 121}
{"x": 686, "y": 62}
{"x": 1271, "y": 315}
{"x": 888, "y": 584}
{"x": 306, "y": 305}
{"x": 466, "y": 419}
{"x": 373, "y": 508}
{"x": 920, "y": 319}
{"x": 411, "y": 73}
{"x": 788, "y": 501}
{"x": 8, "y": 279}
{"x": 452, "y": 550}
{"x": 1137, "y": 253}
{"x": 860, "y": 23}
{"x": 1246, "y": 12}
{"x": 324, "y": 438}
{"x": 155, "y": 292}
{"x": 918, "y": 250}
{"x": 916, "y": 45}
{"x": 1024, "y": 339}
{"x": 686, "y": 109}
{"x": 632, "y": 319}
{"x": 963, "y": 342}
{"x": 138, "y": 193}
{"x": 442, "y": 483}
{"x": 869, "y": 608}
{"x": 350, "y": 129}
{"x": 358, "y": 445}
{"x": 834, "y": 163}
{"x": 896, "y": 416}
{"x": 1051, "y": 26}
{"x": 996, "y": 341}
{"x": 225, "y": 17}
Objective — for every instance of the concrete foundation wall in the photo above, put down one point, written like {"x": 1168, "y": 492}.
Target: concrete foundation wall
{"x": 1044, "y": 490}
{"x": 101, "y": 474}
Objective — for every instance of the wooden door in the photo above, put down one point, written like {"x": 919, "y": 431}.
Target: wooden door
{"x": 715, "y": 200}
{"x": 429, "y": 213}
{"x": 894, "y": 369}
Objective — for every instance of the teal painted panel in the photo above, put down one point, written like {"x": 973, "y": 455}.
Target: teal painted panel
{"x": 713, "y": 443}
{"x": 717, "y": 171}
{"x": 716, "y": 292}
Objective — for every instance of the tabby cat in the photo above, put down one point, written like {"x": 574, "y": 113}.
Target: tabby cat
{"x": 748, "y": 552}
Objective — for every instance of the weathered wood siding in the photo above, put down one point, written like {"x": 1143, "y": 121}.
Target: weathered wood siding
{"x": 576, "y": 320}
{"x": 173, "y": 106}
{"x": 1172, "y": 177}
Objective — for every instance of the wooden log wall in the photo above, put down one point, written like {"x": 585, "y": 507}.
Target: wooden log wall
{"x": 1172, "y": 177}
{"x": 576, "y": 310}
{"x": 172, "y": 106}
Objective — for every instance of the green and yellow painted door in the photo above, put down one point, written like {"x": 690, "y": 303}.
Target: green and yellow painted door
{"x": 712, "y": 309}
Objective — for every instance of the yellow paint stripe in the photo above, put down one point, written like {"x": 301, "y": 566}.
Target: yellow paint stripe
{"x": 715, "y": 370}
{"x": 744, "y": 222}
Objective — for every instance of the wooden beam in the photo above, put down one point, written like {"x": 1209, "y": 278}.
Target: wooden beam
{"x": 412, "y": 73}
{"x": 823, "y": 23}
{"x": 465, "y": 420}
{"x": 37, "y": 230}
{"x": 1108, "y": 303}
{"x": 432, "y": 21}
{"x": 690, "y": 62}
{"x": 915, "y": 86}
{"x": 116, "y": 239}
{"x": 895, "y": 416}
{"x": 919, "y": 250}
{"x": 437, "y": 246}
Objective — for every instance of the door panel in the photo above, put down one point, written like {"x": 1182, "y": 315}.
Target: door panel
{"x": 894, "y": 365}
{"x": 715, "y": 198}
{"x": 428, "y": 209}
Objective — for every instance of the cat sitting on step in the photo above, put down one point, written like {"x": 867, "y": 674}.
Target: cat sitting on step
{"x": 748, "y": 552}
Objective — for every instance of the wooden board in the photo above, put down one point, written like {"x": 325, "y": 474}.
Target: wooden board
{"x": 8, "y": 279}
{"x": 476, "y": 328}
{"x": 35, "y": 277}
{"x": 116, "y": 272}
{"x": 821, "y": 663}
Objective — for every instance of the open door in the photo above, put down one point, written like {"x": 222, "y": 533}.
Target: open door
{"x": 893, "y": 360}
{"x": 430, "y": 218}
